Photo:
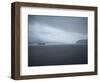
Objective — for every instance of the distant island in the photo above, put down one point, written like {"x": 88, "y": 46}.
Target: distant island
{"x": 84, "y": 41}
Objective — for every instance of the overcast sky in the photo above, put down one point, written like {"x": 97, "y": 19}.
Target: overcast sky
{"x": 57, "y": 29}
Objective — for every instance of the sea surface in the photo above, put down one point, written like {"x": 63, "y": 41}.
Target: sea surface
{"x": 46, "y": 55}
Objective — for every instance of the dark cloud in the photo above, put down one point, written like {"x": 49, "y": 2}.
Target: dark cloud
{"x": 51, "y": 28}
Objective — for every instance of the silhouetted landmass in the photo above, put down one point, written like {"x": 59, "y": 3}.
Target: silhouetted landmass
{"x": 82, "y": 41}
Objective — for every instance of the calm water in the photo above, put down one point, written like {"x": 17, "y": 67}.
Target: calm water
{"x": 57, "y": 55}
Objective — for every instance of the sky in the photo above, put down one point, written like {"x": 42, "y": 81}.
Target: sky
{"x": 56, "y": 29}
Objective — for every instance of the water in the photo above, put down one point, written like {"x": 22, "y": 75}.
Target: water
{"x": 57, "y": 55}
